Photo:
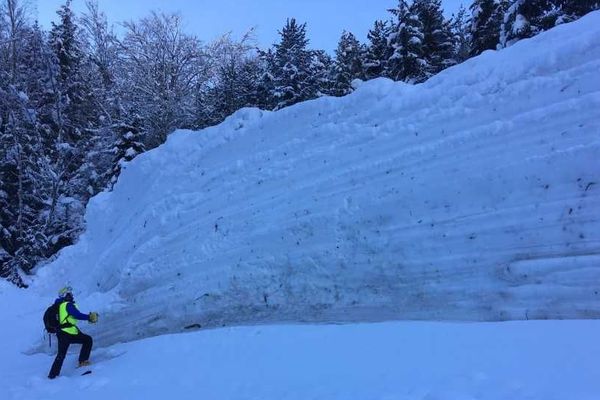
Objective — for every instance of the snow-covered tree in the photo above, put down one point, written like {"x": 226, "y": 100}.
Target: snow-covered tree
{"x": 486, "y": 19}
{"x": 438, "y": 41}
{"x": 160, "y": 72}
{"x": 75, "y": 81}
{"x": 102, "y": 44}
{"x": 462, "y": 35}
{"x": 407, "y": 58}
{"x": 128, "y": 145}
{"x": 234, "y": 79}
{"x": 321, "y": 68}
{"x": 21, "y": 191}
{"x": 19, "y": 218}
{"x": 377, "y": 52}
{"x": 49, "y": 124}
{"x": 574, "y": 9}
{"x": 291, "y": 69}
{"x": 79, "y": 119}
{"x": 348, "y": 64}
{"x": 527, "y": 18}
{"x": 266, "y": 80}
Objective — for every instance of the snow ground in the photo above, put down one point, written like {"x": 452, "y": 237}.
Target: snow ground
{"x": 533, "y": 360}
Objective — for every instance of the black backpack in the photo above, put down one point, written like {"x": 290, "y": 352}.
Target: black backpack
{"x": 51, "y": 322}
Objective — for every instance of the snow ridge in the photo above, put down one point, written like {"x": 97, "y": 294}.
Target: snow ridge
{"x": 473, "y": 196}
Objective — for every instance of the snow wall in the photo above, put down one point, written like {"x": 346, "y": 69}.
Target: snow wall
{"x": 473, "y": 196}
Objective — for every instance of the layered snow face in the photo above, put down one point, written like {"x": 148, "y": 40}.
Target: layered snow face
{"x": 473, "y": 196}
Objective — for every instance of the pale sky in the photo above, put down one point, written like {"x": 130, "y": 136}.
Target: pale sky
{"x": 208, "y": 19}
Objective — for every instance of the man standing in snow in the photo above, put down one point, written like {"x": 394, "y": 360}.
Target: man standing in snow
{"x": 68, "y": 333}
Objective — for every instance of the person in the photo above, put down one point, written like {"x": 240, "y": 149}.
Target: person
{"x": 69, "y": 333}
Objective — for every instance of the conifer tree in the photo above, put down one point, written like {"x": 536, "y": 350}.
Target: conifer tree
{"x": 128, "y": 145}
{"x": 407, "y": 58}
{"x": 348, "y": 64}
{"x": 293, "y": 81}
{"x": 574, "y": 9}
{"x": 22, "y": 198}
{"x": 76, "y": 121}
{"x": 526, "y": 18}
{"x": 19, "y": 216}
{"x": 74, "y": 90}
{"x": 461, "y": 34}
{"x": 438, "y": 42}
{"x": 377, "y": 52}
{"x": 250, "y": 72}
{"x": 486, "y": 18}
{"x": 265, "y": 98}
{"x": 321, "y": 67}
{"x": 237, "y": 71}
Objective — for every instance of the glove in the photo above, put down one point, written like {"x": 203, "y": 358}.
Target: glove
{"x": 93, "y": 317}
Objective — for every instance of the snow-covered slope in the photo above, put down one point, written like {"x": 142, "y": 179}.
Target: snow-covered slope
{"x": 474, "y": 196}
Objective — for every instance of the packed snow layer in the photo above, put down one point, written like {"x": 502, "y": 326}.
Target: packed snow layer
{"x": 473, "y": 196}
{"x": 533, "y": 360}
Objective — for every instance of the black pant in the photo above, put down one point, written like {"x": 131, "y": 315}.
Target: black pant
{"x": 64, "y": 340}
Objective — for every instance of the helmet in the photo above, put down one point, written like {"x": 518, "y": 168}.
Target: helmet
{"x": 65, "y": 291}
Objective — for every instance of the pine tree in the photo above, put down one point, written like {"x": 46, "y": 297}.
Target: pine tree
{"x": 25, "y": 189}
{"x": 462, "y": 35}
{"x": 377, "y": 50}
{"x": 407, "y": 59}
{"x": 235, "y": 89}
{"x": 321, "y": 69}
{"x": 15, "y": 184}
{"x": 438, "y": 42}
{"x": 61, "y": 211}
{"x": 579, "y": 8}
{"x": 250, "y": 72}
{"x": 265, "y": 98}
{"x": 21, "y": 189}
{"x": 293, "y": 81}
{"x": 486, "y": 19}
{"x": 128, "y": 145}
{"x": 234, "y": 85}
{"x": 348, "y": 64}
{"x": 21, "y": 185}
{"x": 74, "y": 89}
{"x": 77, "y": 122}
{"x": 574, "y": 9}
{"x": 526, "y": 18}
{"x": 203, "y": 113}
